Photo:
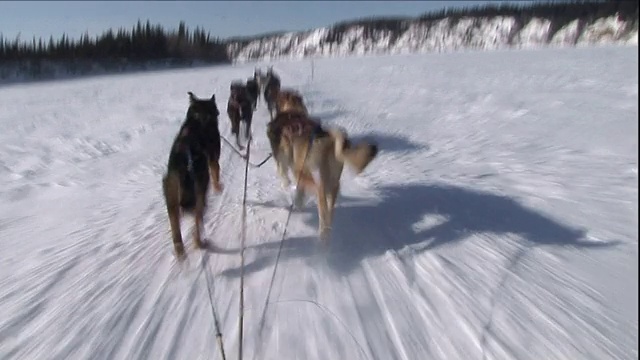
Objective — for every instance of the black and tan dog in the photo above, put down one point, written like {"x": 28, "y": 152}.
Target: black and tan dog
{"x": 271, "y": 90}
{"x": 239, "y": 109}
{"x": 193, "y": 160}
{"x": 301, "y": 143}
{"x": 253, "y": 90}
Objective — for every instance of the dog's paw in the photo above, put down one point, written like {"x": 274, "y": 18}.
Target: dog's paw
{"x": 325, "y": 236}
{"x": 298, "y": 204}
{"x": 218, "y": 187}
{"x": 179, "y": 252}
{"x": 200, "y": 244}
{"x": 299, "y": 200}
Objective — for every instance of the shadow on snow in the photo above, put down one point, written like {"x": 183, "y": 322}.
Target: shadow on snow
{"x": 364, "y": 228}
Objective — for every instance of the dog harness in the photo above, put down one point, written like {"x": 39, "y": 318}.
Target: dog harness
{"x": 300, "y": 126}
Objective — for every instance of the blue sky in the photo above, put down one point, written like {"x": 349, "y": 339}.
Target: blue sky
{"x": 222, "y": 18}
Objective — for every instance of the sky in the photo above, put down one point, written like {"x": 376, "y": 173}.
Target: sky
{"x": 222, "y": 18}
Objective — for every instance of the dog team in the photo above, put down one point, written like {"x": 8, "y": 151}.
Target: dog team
{"x": 299, "y": 142}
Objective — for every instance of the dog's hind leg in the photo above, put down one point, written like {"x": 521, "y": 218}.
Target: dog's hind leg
{"x": 332, "y": 196}
{"x": 283, "y": 171}
{"x": 247, "y": 129}
{"x": 305, "y": 184}
{"x": 235, "y": 123}
{"x": 240, "y": 146}
{"x": 271, "y": 106}
{"x": 327, "y": 194}
{"x": 199, "y": 217}
{"x": 171, "y": 190}
{"x": 324, "y": 226}
{"x": 213, "y": 158}
{"x": 333, "y": 182}
{"x": 235, "y": 130}
{"x": 281, "y": 156}
{"x": 303, "y": 177}
{"x": 214, "y": 169}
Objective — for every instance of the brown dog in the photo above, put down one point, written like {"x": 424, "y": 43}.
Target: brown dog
{"x": 302, "y": 143}
{"x": 240, "y": 109}
{"x": 290, "y": 101}
{"x": 193, "y": 159}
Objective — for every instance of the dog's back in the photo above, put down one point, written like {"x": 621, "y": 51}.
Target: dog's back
{"x": 252, "y": 88}
{"x": 187, "y": 161}
{"x": 196, "y": 141}
{"x": 287, "y": 125}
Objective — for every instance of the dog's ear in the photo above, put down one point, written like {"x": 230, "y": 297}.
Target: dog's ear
{"x": 213, "y": 98}
{"x": 192, "y": 98}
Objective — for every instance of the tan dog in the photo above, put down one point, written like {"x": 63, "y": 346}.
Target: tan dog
{"x": 301, "y": 143}
{"x": 290, "y": 101}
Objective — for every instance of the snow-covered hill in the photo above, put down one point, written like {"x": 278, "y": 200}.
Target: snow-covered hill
{"x": 498, "y": 32}
{"x": 499, "y": 222}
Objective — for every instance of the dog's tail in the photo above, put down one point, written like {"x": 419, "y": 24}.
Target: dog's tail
{"x": 357, "y": 156}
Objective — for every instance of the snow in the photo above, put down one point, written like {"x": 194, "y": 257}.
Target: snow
{"x": 602, "y": 30}
{"x": 534, "y": 34}
{"x": 498, "y": 222}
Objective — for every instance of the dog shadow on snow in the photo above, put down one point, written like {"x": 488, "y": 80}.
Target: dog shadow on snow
{"x": 389, "y": 142}
{"x": 364, "y": 228}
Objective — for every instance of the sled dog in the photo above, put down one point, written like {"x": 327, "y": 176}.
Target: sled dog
{"x": 302, "y": 144}
{"x": 193, "y": 160}
{"x": 271, "y": 90}
{"x": 240, "y": 109}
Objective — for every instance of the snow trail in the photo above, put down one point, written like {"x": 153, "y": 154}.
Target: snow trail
{"x": 498, "y": 222}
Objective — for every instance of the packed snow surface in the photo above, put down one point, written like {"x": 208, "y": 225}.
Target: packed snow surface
{"x": 499, "y": 221}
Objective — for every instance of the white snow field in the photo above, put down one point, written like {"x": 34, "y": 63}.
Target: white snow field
{"x": 498, "y": 222}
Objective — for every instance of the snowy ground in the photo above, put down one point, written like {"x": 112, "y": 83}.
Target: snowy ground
{"x": 499, "y": 221}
